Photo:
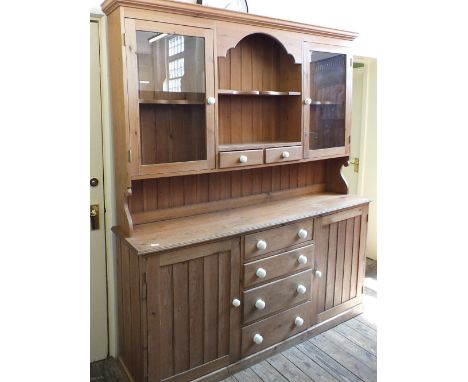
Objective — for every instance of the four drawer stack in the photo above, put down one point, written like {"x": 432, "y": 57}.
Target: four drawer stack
{"x": 277, "y": 279}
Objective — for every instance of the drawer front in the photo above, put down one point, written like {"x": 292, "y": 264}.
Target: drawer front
{"x": 283, "y": 154}
{"x": 276, "y": 328}
{"x": 279, "y": 265}
{"x": 277, "y": 295}
{"x": 240, "y": 158}
{"x": 277, "y": 238}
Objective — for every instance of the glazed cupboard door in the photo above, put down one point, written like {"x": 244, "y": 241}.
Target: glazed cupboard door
{"x": 171, "y": 100}
{"x": 327, "y": 101}
{"x": 199, "y": 327}
{"x": 340, "y": 242}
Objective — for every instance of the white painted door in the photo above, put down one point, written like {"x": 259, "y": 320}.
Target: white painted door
{"x": 99, "y": 333}
{"x": 351, "y": 173}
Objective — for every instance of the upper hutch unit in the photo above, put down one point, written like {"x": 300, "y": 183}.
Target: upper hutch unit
{"x": 235, "y": 234}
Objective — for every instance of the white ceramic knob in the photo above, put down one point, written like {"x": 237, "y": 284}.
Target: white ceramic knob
{"x": 260, "y": 304}
{"x": 318, "y": 273}
{"x": 243, "y": 159}
{"x": 285, "y": 154}
{"x": 302, "y": 259}
{"x": 301, "y": 289}
{"x": 299, "y": 321}
{"x": 307, "y": 101}
{"x": 211, "y": 100}
{"x": 236, "y": 302}
{"x": 302, "y": 233}
{"x": 261, "y": 245}
{"x": 257, "y": 338}
{"x": 261, "y": 273}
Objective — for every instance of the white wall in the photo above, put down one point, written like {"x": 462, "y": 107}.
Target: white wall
{"x": 368, "y": 181}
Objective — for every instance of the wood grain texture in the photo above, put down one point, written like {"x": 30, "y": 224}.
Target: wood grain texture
{"x": 175, "y": 233}
{"x": 155, "y": 194}
{"x": 277, "y": 238}
{"x": 195, "y": 310}
{"x": 278, "y": 265}
{"x": 276, "y": 328}
{"x": 277, "y": 295}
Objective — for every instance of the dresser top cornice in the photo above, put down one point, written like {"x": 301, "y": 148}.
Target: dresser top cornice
{"x": 200, "y": 11}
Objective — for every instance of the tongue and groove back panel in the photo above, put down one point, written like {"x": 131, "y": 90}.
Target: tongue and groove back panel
{"x": 161, "y": 193}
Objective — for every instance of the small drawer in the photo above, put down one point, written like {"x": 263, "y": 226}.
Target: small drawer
{"x": 279, "y": 265}
{"x": 240, "y": 158}
{"x": 259, "y": 243}
{"x": 276, "y": 328}
{"x": 283, "y": 154}
{"x": 270, "y": 298}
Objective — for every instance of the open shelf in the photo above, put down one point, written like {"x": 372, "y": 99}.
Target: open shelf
{"x": 171, "y": 98}
{"x": 259, "y": 89}
{"x": 325, "y": 103}
{"x": 258, "y": 92}
{"x": 255, "y": 145}
{"x": 171, "y": 102}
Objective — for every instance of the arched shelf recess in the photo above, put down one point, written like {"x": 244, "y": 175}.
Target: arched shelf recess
{"x": 259, "y": 91}
{"x": 259, "y": 62}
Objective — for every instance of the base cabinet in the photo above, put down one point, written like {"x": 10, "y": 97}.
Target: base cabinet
{"x": 189, "y": 312}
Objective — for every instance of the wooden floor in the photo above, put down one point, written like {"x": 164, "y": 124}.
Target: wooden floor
{"x": 347, "y": 352}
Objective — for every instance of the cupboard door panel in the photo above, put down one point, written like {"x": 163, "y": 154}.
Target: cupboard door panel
{"x": 170, "y": 82}
{"x": 340, "y": 256}
{"x": 198, "y": 324}
{"x": 327, "y": 101}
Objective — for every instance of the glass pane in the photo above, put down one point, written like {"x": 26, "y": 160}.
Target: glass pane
{"x": 328, "y": 95}
{"x": 171, "y": 76}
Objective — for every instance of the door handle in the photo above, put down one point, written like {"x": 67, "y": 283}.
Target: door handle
{"x": 94, "y": 214}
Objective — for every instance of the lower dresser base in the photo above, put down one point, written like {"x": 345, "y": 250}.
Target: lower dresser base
{"x": 248, "y": 361}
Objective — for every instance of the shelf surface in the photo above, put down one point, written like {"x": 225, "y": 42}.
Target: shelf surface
{"x": 325, "y": 103}
{"x": 171, "y": 102}
{"x": 258, "y": 92}
{"x": 176, "y": 233}
{"x": 255, "y": 145}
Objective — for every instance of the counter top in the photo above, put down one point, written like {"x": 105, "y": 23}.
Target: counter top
{"x": 176, "y": 233}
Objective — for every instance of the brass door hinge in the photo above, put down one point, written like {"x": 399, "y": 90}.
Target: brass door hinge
{"x": 129, "y": 156}
{"x": 124, "y": 39}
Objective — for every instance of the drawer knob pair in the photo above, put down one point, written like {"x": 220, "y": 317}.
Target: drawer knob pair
{"x": 302, "y": 259}
{"x": 301, "y": 289}
{"x": 257, "y": 338}
{"x": 298, "y": 321}
{"x": 243, "y": 159}
{"x": 302, "y": 233}
{"x": 260, "y": 304}
{"x": 261, "y": 273}
{"x": 261, "y": 245}
{"x": 236, "y": 303}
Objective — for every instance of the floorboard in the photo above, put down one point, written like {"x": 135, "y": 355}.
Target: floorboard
{"x": 347, "y": 352}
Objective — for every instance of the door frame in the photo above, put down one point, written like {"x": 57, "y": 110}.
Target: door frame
{"x": 109, "y": 191}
